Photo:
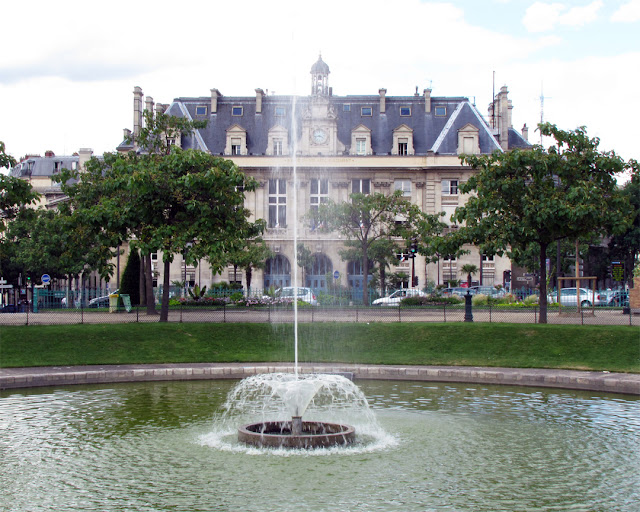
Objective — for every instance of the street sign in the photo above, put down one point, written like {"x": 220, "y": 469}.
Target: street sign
{"x": 336, "y": 274}
{"x": 45, "y": 279}
{"x": 5, "y": 286}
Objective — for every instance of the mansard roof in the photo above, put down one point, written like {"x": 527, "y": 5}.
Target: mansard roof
{"x": 434, "y": 131}
{"x": 38, "y": 166}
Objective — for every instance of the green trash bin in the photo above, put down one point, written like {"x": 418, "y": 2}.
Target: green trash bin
{"x": 126, "y": 300}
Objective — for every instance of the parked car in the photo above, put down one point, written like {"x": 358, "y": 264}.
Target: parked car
{"x": 395, "y": 298}
{"x": 458, "y": 292}
{"x": 619, "y": 298}
{"x": 569, "y": 297}
{"x": 489, "y": 291}
{"x": 304, "y": 294}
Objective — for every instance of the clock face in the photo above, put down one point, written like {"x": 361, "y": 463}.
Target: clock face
{"x": 319, "y": 136}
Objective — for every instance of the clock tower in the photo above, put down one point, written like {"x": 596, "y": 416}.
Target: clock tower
{"x": 319, "y": 120}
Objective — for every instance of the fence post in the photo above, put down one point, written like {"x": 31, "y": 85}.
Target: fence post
{"x": 27, "y": 310}
{"x": 81, "y": 312}
{"x": 138, "y": 314}
{"x": 224, "y": 313}
{"x": 181, "y": 306}
{"x": 444, "y": 306}
{"x": 399, "y": 315}
{"x": 269, "y": 313}
{"x": 356, "y": 314}
{"x": 535, "y": 314}
{"x": 489, "y": 312}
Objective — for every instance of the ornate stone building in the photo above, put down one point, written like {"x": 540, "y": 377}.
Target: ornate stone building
{"x": 340, "y": 145}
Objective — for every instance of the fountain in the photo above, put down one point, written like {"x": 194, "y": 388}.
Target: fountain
{"x": 272, "y": 396}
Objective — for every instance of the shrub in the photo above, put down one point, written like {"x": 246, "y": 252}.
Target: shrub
{"x": 430, "y": 300}
{"x": 480, "y": 300}
{"x": 531, "y": 300}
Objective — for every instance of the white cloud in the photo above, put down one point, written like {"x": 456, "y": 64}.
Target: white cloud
{"x": 541, "y": 17}
{"x": 627, "y": 13}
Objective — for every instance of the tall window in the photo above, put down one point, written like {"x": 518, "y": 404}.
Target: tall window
{"x": 277, "y": 146}
{"x": 449, "y": 187}
{"x": 235, "y": 146}
{"x": 361, "y": 146}
{"x": 319, "y": 194}
{"x": 361, "y": 186}
{"x": 404, "y": 186}
{"x": 277, "y": 203}
{"x": 403, "y": 147}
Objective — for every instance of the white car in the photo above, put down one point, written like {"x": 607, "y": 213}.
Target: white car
{"x": 395, "y": 298}
{"x": 569, "y": 297}
{"x": 304, "y": 294}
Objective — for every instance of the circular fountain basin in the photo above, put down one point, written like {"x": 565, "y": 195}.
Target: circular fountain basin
{"x": 278, "y": 434}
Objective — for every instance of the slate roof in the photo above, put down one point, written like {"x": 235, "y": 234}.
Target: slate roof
{"x": 35, "y": 166}
{"x": 434, "y": 131}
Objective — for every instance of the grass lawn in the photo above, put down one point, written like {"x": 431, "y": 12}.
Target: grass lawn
{"x": 613, "y": 348}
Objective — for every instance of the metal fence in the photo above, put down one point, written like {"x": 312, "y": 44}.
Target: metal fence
{"x": 354, "y": 314}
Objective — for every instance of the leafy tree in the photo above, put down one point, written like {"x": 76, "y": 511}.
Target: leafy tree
{"x": 368, "y": 219}
{"x": 469, "y": 269}
{"x": 130, "y": 282}
{"x": 253, "y": 255}
{"x": 626, "y": 245}
{"x": 539, "y": 196}
{"x": 5, "y": 160}
{"x": 305, "y": 260}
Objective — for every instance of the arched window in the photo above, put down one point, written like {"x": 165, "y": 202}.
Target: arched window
{"x": 277, "y": 272}
{"x": 316, "y": 275}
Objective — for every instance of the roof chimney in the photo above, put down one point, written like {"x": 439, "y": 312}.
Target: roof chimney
{"x": 383, "y": 104}
{"x": 259, "y": 96}
{"x": 525, "y": 132}
{"x": 427, "y": 100}
{"x": 215, "y": 94}
{"x": 137, "y": 110}
{"x": 148, "y": 104}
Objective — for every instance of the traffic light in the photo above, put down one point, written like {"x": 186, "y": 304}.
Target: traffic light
{"x": 414, "y": 248}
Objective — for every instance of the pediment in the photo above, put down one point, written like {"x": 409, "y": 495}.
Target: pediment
{"x": 403, "y": 128}
{"x": 236, "y": 128}
{"x": 278, "y": 129}
{"x": 361, "y": 129}
{"x": 469, "y": 128}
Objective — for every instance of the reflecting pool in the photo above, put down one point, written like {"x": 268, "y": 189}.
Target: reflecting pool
{"x": 159, "y": 446}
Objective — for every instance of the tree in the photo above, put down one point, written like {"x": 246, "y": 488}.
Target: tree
{"x": 367, "y": 219}
{"x": 469, "y": 269}
{"x": 5, "y": 160}
{"x": 253, "y": 255}
{"x": 305, "y": 260}
{"x": 539, "y": 196}
{"x": 626, "y": 245}
{"x": 130, "y": 282}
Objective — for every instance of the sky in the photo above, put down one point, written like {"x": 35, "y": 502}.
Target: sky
{"x": 68, "y": 68}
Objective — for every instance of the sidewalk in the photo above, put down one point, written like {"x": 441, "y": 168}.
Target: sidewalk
{"x": 625, "y": 383}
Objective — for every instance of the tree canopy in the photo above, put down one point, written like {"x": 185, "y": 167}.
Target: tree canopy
{"x": 537, "y": 196}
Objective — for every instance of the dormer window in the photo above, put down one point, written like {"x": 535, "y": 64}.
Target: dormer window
{"x": 279, "y": 111}
{"x": 405, "y": 111}
{"x": 366, "y": 111}
{"x": 440, "y": 111}
{"x": 346, "y": 107}
{"x": 236, "y": 141}
{"x": 201, "y": 110}
{"x": 236, "y": 111}
{"x": 278, "y": 141}
{"x": 361, "y": 141}
{"x": 403, "y": 141}
{"x": 468, "y": 140}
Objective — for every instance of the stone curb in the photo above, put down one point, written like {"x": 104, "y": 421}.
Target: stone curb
{"x": 626, "y": 383}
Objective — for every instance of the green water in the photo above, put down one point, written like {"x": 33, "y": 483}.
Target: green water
{"x": 154, "y": 447}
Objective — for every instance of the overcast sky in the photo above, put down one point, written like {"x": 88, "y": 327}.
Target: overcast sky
{"x": 68, "y": 68}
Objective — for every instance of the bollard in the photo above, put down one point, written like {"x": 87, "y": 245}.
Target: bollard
{"x": 468, "y": 310}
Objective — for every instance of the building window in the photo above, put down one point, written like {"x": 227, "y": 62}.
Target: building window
{"x": 74, "y": 166}
{"x": 361, "y": 186}
{"x": 201, "y": 110}
{"x": 346, "y": 107}
{"x": 404, "y": 186}
{"x": 361, "y": 146}
{"x": 449, "y": 187}
{"x": 319, "y": 194}
{"x": 236, "y": 145}
{"x": 403, "y": 147}
{"x": 280, "y": 111}
{"x": 57, "y": 167}
{"x": 366, "y": 111}
{"x": 405, "y": 111}
{"x": 236, "y": 111}
{"x": 441, "y": 111}
{"x": 277, "y": 146}
{"x": 277, "y": 203}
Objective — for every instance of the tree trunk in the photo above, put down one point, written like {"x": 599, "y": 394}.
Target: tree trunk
{"x": 151, "y": 302}
{"x": 164, "y": 310}
{"x": 141, "y": 283}
{"x": 248, "y": 271}
{"x": 365, "y": 271}
{"x": 543, "y": 284}
{"x": 383, "y": 277}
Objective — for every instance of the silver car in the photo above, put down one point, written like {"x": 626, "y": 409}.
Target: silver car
{"x": 569, "y": 297}
{"x": 395, "y": 298}
{"x": 304, "y": 294}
